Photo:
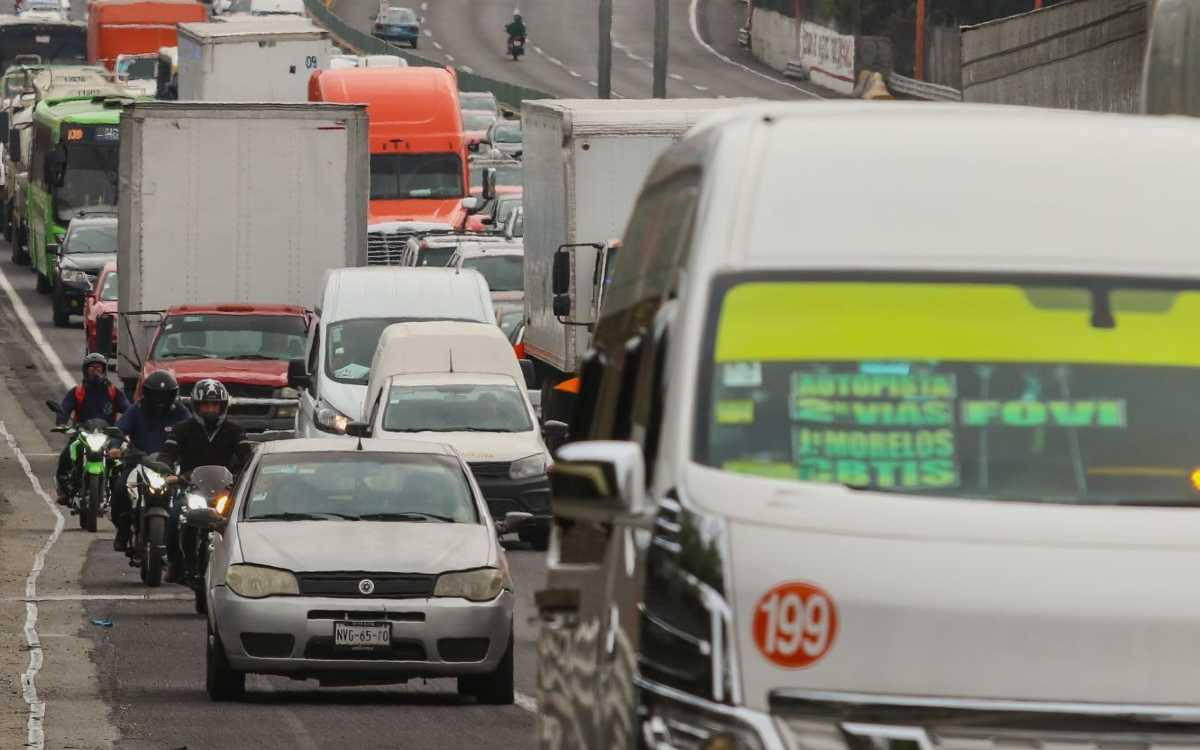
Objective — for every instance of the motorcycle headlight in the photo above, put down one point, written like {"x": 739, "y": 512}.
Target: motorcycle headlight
{"x": 330, "y": 419}
{"x": 473, "y": 585}
{"x": 95, "y": 441}
{"x": 528, "y": 467}
{"x": 196, "y": 502}
{"x": 667, "y": 724}
{"x": 154, "y": 480}
{"x": 256, "y": 582}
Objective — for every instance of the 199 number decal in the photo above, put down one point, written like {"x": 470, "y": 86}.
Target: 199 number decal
{"x": 795, "y": 624}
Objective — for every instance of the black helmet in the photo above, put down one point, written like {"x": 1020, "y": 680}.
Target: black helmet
{"x": 159, "y": 391}
{"x": 210, "y": 391}
{"x": 95, "y": 358}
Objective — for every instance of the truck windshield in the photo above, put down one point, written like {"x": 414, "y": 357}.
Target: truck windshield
{"x": 138, "y": 69}
{"x": 1030, "y": 390}
{"x": 51, "y": 42}
{"x": 404, "y": 176}
{"x": 223, "y": 336}
{"x": 455, "y": 408}
{"x": 90, "y": 180}
{"x": 96, "y": 238}
{"x": 504, "y": 273}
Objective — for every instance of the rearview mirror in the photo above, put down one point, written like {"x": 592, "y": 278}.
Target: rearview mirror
{"x": 53, "y": 248}
{"x": 472, "y": 204}
{"x": 358, "y": 429}
{"x": 562, "y": 305}
{"x": 555, "y": 434}
{"x": 206, "y": 519}
{"x": 489, "y": 183}
{"x": 561, "y": 275}
{"x": 298, "y": 376}
{"x": 514, "y": 520}
{"x": 529, "y": 373}
{"x": 598, "y": 479}
{"x": 105, "y": 326}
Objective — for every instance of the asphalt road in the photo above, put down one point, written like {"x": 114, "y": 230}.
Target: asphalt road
{"x": 140, "y": 683}
{"x": 704, "y": 59}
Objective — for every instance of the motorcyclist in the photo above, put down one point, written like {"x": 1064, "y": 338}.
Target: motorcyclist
{"x": 515, "y": 28}
{"x": 145, "y": 424}
{"x": 94, "y": 398}
{"x": 209, "y": 437}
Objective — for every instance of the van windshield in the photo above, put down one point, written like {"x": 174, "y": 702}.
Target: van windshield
{"x": 456, "y": 408}
{"x": 351, "y": 345}
{"x": 404, "y": 176}
{"x": 1039, "y": 391}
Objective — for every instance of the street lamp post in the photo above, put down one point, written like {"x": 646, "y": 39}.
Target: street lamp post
{"x": 604, "y": 74}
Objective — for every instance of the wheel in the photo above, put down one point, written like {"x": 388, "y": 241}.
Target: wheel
{"x": 201, "y": 602}
{"x": 494, "y": 688}
{"x": 93, "y": 496}
{"x": 222, "y": 683}
{"x": 152, "y": 558}
{"x": 62, "y": 316}
{"x": 22, "y": 245}
{"x": 538, "y": 538}
{"x": 43, "y": 284}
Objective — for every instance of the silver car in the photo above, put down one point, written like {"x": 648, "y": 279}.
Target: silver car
{"x": 356, "y": 562}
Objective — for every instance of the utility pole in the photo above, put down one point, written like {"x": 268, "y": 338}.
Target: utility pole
{"x": 661, "y": 29}
{"x": 604, "y": 74}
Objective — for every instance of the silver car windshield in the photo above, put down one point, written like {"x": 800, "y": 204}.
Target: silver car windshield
{"x": 368, "y": 486}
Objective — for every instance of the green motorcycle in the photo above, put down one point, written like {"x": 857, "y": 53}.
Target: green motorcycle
{"x": 91, "y": 478}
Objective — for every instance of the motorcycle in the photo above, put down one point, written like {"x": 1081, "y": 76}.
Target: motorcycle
{"x": 90, "y": 482}
{"x": 154, "y": 495}
{"x": 209, "y": 488}
{"x": 516, "y": 46}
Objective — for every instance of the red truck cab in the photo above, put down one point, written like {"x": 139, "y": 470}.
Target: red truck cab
{"x": 130, "y": 27}
{"x": 245, "y": 346}
{"x": 419, "y": 173}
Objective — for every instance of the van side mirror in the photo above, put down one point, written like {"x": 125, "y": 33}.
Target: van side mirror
{"x": 298, "y": 376}
{"x": 561, "y": 275}
{"x": 555, "y": 433}
{"x": 105, "y": 326}
{"x": 472, "y": 204}
{"x": 529, "y": 373}
{"x": 53, "y": 248}
{"x": 598, "y": 478}
{"x": 514, "y": 520}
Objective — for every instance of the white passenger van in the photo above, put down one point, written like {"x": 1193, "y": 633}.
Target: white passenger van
{"x": 355, "y": 306}
{"x": 890, "y": 439}
{"x": 460, "y": 384}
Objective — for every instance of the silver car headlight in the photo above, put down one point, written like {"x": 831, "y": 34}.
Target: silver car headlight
{"x": 669, "y": 725}
{"x": 196, "y": 502}
{"x": 330, "y": 419}
{"x": 72, "y": 276}
{"x": 256, "y": 582}
{"x": 481, "y": 585}
{"x": 95, "y": 441}
{"x": 526, "y": 468}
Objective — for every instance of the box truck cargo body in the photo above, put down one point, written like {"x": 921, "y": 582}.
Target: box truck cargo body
{"x": 130, "y": 27}
{"x": 255, "y": 59}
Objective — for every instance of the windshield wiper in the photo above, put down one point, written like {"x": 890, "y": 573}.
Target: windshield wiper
{"x": 249, "y": 356}
{"x": 409, "y": 516}
{"x": 293, "y": 516}
{"x": 187, "y": 355}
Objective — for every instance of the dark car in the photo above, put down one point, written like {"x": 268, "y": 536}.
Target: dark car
{"x": 399, "y": 25}
{"x": 90, "y": 243}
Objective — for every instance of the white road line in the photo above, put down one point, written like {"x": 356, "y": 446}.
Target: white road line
{"x": 593, "y": 84}
{"x": 554, "y": 61}
{"x": 692, "y": 10}
{"x": 100, "y": 598}
{"x": 290, "y": 717}
{"x": 35, "y": 735}
{"x": 27, "y": 320}
{"x": 698, "y": 87}
{"x": 574, "y": 74}
{"x": 466, "y": 69}
{"x": 424, "y": 6}
{"x": 449, "y": 58}
{"x": 675, "y": 77}
{"x": 428, "y": 33}
{"x": 635, "y": 57}
{"x": 437, "y": 45}
{"x": 527, "y": 702}
{"x": 537, "y": 49}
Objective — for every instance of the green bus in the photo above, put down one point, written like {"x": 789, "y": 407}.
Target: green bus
{"x": 73, "y": 167}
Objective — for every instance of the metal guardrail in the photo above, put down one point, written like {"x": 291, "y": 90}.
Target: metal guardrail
{"x": 933, "y": 92}
{"x": 743, "y": 37}
{"x": 509, "y": 95}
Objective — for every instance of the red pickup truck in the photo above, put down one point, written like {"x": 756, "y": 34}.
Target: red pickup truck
{"x": 245, "y": 346}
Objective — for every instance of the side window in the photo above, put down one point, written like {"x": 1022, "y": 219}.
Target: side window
{"x": 314, "y": 358}
{"x": 646, "y": 412}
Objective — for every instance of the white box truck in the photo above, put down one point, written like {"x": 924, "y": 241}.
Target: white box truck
{"x": 234, "y": 203}
{"x": 585, "y": 160}
{"x": 253, "y": 59}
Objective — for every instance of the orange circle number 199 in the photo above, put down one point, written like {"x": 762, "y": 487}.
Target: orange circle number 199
{"x": 795, "y": 624}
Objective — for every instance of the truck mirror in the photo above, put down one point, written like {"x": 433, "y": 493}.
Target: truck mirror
{"x": 53, "y": 248}
{"x": 105, "y": 326}
{"x": 561, "y": 275}
{"x": 298, "y": 376}
{"x": 489, "y": 183}
{"x": 562, "y": 305}
{"x": 471, "y": 204}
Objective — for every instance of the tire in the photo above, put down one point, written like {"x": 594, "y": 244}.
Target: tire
{"x": 538, "y": 538}
{"x": 62, "y": 316}
{"x": 495, "y": 688}
{"x": 152, "y": 559}
{"x": 43, "y": 284}
{"x": 21, "y": 245}
{"x": 220, "y": 680}
{"x": 93, "y": 497}
{"x": 201, "y": 602}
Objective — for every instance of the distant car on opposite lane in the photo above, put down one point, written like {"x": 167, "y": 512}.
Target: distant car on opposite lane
{"x": 399, "y": 25}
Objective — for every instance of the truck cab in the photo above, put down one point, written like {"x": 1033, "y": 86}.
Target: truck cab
{"x": 245, "y": 346}
{"x": 419, "y": 174}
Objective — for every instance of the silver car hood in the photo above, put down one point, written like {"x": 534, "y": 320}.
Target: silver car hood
{"x": 391, "y": 547}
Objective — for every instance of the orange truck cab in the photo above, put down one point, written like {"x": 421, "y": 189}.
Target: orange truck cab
{"x": 132, "y": 27}
{"x": 419, "y": 174}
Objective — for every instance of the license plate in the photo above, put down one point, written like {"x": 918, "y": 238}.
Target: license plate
{"x": 362, "y": 634}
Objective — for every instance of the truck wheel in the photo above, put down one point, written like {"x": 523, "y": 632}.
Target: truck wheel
{"x": 496, "y": 688}
{"x": 22, "y": 233}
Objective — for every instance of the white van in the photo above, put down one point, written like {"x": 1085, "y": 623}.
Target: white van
{"x": 460, "y": 384}
{"x": 355, "y": 306}
{"x": 889, "y": 441}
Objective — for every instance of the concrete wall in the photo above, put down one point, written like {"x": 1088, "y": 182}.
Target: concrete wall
{"x": 1084, "y": 54}
{"x": 827, "y": 57}
{"x": 774, "y": 37}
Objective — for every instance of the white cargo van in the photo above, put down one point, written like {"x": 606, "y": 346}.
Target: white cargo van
{"x": 354, "y": 307}
{"x": 460, "y": 384}
{"x": 923, "y": 475}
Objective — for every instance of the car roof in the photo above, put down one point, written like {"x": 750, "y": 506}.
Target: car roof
{"x": 389, "y": 291}
{"x": 350, "y": 445}
{"x": 95, "y": 218}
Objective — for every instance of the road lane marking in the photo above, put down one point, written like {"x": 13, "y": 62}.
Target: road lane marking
{"x": 692, "y": 10}
{"x": 449, "y": 58}
{"x": 574, "y": 74}
{"x": 698, "y": 87}
{"x": 424, "y": 6}
{"x": 675, "y": 77}
{"x": 100, "y": 598}
{"x": 428, "y": 33}
{"x": 35, "y": 735}
{"x": 466, "y": 69}
{"x": 27, "y": 320}
{"x": 437, "y": 45}
{"x": 290, "y": 718}
{"x": 527, "y": 702}
{"x": 593, "y": 84}
{"x": 537, "y": 49}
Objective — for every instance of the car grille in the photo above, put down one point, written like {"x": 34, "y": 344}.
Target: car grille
{"x": 386, "y": 248}
{"x": 268, "y": 645}
{"x": 490, "y": 469}
{"x": 355, "y": 614}
{"x": 387, "y": 585}
{"x": 321, "y": 647}
{"x": 462, "y": 649}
